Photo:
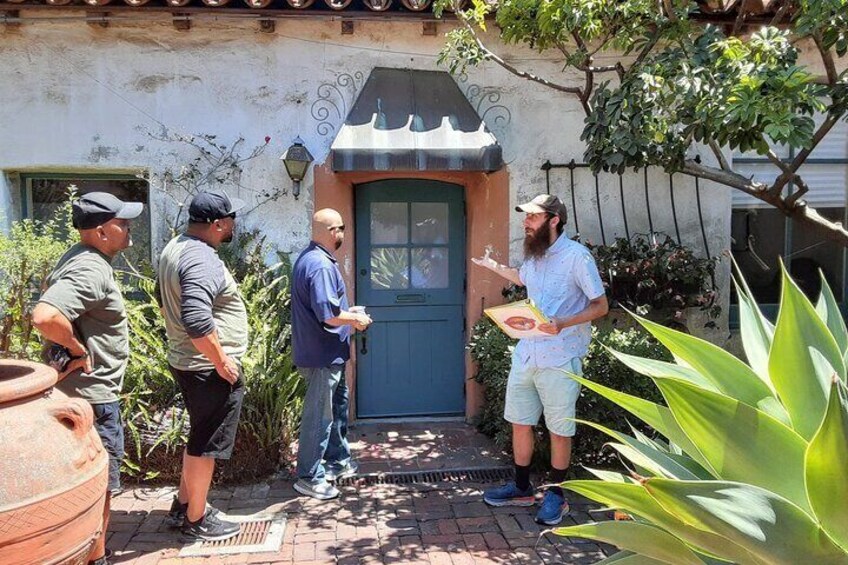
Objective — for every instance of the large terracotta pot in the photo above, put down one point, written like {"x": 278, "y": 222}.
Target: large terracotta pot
{"x": 53, "y": 470}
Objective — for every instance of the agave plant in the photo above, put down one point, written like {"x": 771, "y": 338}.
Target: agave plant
{"x": 754, "y": 467}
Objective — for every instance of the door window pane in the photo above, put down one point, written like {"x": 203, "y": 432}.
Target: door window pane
{"x": 389, "y": 268}
{"x": 429, "y": 267}
{"x": 759, "y": 236}
{"x": 810, "y": 253}
{"x": 429, "y": 222}
{"x": 389, "y": 223}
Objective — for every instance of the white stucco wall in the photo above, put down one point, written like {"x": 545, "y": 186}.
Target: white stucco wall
{"x": 81, "y": 98}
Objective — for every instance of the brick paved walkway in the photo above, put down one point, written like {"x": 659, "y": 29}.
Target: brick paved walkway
{"x": 439, "y": 524}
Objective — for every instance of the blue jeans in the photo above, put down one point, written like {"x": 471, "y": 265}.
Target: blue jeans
{"x": 323, "y": 428}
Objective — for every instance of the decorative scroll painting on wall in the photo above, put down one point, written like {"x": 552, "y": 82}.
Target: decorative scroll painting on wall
{"x": 487, "y": 102}
{"x": 334, "y": 100}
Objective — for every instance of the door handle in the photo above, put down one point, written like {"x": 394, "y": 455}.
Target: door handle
{"x": 364, "y": 338}
{"x": 409, "y": 298}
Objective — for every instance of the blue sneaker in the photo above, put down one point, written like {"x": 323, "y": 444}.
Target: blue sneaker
{"x": 554, "y": 507}
{"x": 509, "y": 495}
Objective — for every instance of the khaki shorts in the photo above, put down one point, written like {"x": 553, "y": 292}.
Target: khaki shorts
{"x": 532, "y": 391}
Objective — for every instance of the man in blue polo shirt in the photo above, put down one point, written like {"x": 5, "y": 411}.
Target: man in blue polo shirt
{"x": 321, "y": 328}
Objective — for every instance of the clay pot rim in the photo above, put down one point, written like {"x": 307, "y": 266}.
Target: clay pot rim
{"x": 31, "y": 378}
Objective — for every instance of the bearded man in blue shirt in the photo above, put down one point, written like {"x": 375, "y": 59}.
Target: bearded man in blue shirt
{"x": 562, "y": 279}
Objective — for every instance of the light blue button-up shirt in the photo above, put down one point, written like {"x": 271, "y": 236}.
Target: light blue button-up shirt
{"x": 562, "y": 283}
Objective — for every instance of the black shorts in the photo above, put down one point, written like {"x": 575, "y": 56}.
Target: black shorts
{"x": 110, "y": 428}
{"x": 214, "y": 406}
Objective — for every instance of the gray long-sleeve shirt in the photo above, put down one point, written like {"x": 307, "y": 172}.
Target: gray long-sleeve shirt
{"x": 199, "y": 295}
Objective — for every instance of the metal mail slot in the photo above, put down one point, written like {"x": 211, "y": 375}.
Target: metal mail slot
{"x": 409, "y": 298}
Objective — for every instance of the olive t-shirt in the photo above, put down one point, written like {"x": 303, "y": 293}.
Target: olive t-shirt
{"x": 82, "y": 287}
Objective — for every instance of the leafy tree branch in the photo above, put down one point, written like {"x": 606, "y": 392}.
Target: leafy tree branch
{"x": 679, "y": 82}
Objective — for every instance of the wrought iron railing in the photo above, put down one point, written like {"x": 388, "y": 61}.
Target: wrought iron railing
{"x": 580, "y": 214}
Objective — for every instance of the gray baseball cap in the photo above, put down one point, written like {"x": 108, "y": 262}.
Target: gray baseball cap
{"x": 96, "y": 208}
{"x": 206, "y": 207}
{"x": 545, "y": 203}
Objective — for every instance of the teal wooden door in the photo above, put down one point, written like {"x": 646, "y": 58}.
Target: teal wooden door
{"x": 410, "y": 265}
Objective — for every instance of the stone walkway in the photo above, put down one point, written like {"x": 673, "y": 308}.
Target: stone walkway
{"x": 436, "y": 523}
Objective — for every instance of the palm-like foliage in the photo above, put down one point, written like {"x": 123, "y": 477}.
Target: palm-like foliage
{"x": 755, "y": 470}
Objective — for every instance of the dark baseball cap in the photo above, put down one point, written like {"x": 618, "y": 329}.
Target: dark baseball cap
{"x": 206, "y": 207}
{"x": 545, "y": 203}
{"x": 96, "y": 208}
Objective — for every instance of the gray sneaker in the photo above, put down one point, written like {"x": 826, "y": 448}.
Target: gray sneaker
{"x": 320, "y": 491}
{"x": 336, "y": 473}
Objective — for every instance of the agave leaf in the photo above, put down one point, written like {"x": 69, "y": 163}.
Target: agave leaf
{"x": 647, "y": 455}
{"x": 740, "y": 442}
{"x": 610, "y": 476}
{"x": 654, "y": 368}
{"x": 739, "y": 278}
{"x": 680, "y": 459}
{"x": 628, "y": 558}
{"x": 643, "y": 539}
{"x": 768, "y": 526}
{"x": 803, "y": 359}
{"x": 756, "y": 332}
{"x": 634, "y": 499}
{"x": 642, "y": 438}
{"x": 654, "y": 461}
{"x": 729, "y": 374}
{"x": 828, "y": 310}
{"x": 827, "y": 467}
{"x": 658, "y": 417}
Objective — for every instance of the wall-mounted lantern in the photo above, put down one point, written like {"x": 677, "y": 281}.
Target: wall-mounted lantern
{"x": 297, "y": 159}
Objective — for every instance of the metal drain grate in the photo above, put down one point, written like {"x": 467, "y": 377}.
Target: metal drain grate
{"x": 252, "y": 533}
{"x": 481, "y": 475}
{"x": 259, "y": 534}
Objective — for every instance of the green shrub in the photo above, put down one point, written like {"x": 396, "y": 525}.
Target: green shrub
{"x": 653, "y": 274}
{"x": 28, "y": 254}
{"x": 491, "y": 350}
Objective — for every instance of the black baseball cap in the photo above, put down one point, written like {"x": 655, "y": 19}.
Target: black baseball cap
{"x": 206, "y": 207}
{"x": 547, "y": 203}
{"x": 96, "y": 208}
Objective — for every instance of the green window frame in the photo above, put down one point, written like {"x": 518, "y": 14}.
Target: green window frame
{"x": 27, "y": 207}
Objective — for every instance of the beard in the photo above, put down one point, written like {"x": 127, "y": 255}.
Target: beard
{"x": 337, "y": 245}
{"x": 536, "y": 243}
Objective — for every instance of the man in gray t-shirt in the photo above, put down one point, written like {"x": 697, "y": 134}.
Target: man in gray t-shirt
{"x": 82, "y": 317}
{"x": 206, "y": 324}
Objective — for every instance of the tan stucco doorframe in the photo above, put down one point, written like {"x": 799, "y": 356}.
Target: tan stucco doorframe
{"x": 487, "y": 202}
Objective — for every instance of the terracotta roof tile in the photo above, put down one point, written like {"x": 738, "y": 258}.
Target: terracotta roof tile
{"x": 713, "y": 10}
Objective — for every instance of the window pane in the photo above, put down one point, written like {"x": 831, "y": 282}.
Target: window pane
{"x": 48, "y": 194}
{"x": 389, "y": 223}
{"x": 389, "y": 268}
{"x": 429, "y": 222}
{"x": 810, "y": 252}
{"x": 758, "y": 240}
{"x": 429, "y": 267}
